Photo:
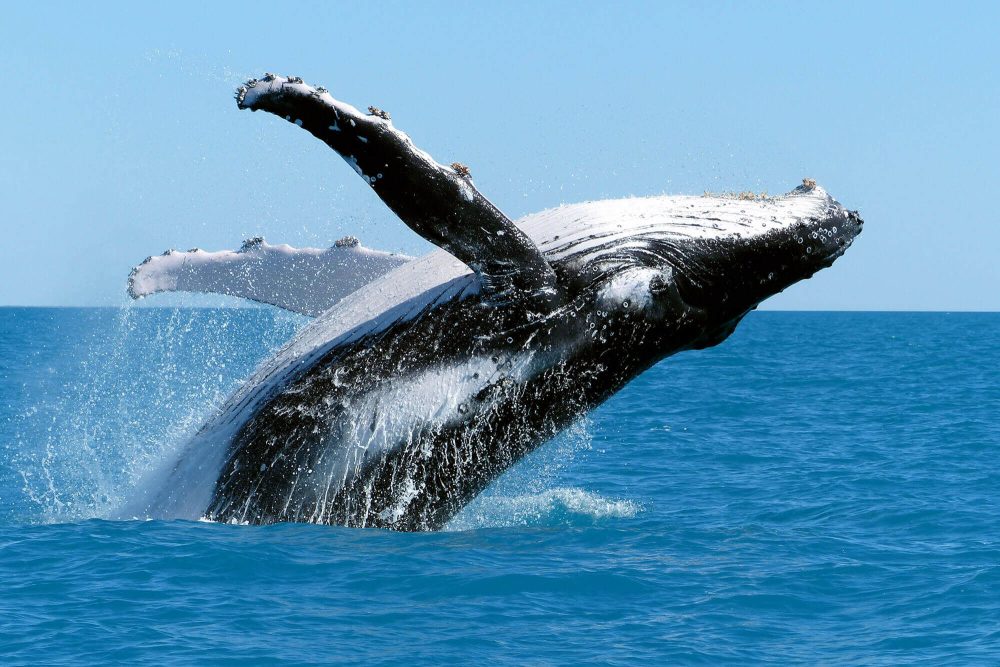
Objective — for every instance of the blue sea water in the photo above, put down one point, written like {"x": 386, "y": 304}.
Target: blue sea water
{"x": 822, "y": 488}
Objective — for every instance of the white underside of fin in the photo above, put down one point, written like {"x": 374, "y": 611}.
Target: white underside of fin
{"x": 303, "y": 280}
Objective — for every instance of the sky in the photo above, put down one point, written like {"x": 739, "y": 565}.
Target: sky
{"x": 120, "y": 138}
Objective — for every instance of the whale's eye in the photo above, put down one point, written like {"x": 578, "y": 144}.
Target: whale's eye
{"x": 658, "y": 283}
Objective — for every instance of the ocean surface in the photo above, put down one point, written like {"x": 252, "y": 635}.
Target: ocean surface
{"x": 822, "y": 488}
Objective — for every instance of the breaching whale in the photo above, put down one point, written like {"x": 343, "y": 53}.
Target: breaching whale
{"x": 420, "y": 381}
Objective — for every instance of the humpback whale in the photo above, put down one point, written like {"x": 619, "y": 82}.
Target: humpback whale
{"x": 420, "y": 381}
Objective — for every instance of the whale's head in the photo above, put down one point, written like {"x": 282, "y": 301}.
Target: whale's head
{"x": 707, "y": 261}
{"x": 748, "y": 249}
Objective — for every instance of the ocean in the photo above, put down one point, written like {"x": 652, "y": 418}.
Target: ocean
{"x": 822, "y": 488}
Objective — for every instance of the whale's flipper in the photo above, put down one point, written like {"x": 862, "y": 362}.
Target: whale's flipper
{"x": 303, "y": 280}
{"x": 440, "y": 203}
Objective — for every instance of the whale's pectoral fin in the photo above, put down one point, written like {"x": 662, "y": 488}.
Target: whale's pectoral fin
{"x": 303, "y": 280}
{"x": 440, "y": 203}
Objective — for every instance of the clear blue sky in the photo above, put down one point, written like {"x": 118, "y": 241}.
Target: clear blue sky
{"x": 120, "y": 137}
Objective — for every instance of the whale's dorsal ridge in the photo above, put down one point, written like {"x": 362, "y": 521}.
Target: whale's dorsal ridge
{"x": 439, "y": 202}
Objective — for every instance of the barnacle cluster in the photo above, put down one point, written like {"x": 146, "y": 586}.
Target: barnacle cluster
{"x": 252, "y": 243}
{"x": 347, "y": 242}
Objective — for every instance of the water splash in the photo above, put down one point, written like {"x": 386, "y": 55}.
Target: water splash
{"x": 118, "y": 393}
{"x": 529, "y": 495}
{"x": 114, "y": 395}
{"x": 558, "y": 506}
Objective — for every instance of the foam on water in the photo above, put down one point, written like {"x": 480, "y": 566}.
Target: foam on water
{"x": 559, "y": 506}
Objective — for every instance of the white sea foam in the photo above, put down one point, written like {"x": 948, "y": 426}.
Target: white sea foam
{"x": 556, "y": 506}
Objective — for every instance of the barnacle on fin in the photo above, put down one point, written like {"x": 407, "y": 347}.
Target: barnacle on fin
{"x": 347, "y": 242}
{"x": 251, "y": 243}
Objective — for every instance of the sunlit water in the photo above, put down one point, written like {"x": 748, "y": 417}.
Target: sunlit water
{"x": 821, "y": 489}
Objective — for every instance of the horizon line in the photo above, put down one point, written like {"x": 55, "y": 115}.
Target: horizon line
{"x": 267, "y": 307}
